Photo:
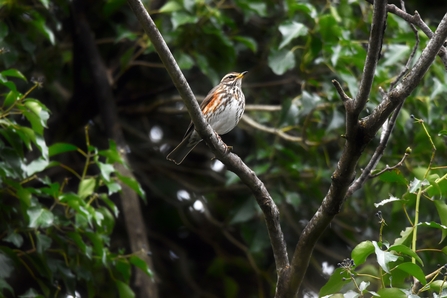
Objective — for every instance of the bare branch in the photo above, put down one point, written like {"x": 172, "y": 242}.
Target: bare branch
{"x": 409, "y": 82}
{"x": 388, "y": 168}
{"x": 248, "y": 120}
{"x": 232, "y": 161}
{"x": 344, "y": 97}
{"x": 374, "y": 48}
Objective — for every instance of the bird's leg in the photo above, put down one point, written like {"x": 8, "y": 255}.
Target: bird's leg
{"x": 228, "y": 149}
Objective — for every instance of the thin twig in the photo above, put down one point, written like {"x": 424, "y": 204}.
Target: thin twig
{"x": 250, "y": 121}
{"x": 388, "y": 168}
{"x": 344, "y": 97}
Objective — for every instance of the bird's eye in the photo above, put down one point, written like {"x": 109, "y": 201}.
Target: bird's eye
{"x": 231, "y": 77}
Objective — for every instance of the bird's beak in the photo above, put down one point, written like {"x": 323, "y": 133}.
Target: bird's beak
{"x": 242, "y": 74}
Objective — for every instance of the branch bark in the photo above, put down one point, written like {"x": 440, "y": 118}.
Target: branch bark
{"x": 232, "y": 161}
{"x": 359, "y": 134}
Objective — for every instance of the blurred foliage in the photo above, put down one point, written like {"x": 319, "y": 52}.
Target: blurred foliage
{"x": 55, "y": 241}
{"x": 207, "y": 234}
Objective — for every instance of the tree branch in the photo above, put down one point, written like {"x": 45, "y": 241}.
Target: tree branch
{"x": 372, "y": 57}
{"x": 232, "y": 161}
{"x": 409, "y": 82}
{"x": 359, "y": 134}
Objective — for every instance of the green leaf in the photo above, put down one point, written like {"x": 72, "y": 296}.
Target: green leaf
{"x": 40, "y": 24}
{"x": 405, "y": 234}
{"x": 3, "y": 30}
{"x": 136, "y": 261}
{"x": 106, "y": 170}
{"x": 338, "y": 279}
{"x": 95, "y": 239}
{"x": 5, "y": 285}
{"x": 14, "y": 238}
{"x": 59, "y": 148}
{"x": 40, "y": 217}
{"x": 441, "y": 207}
{"x": 394, "y": 176}
{"x": 43, "y": 242}
{"x": 290, "y": 31}
{"x": 24, "y": 196}
{"x": 133, "y": 184}
{"x": 395, "y": 53}
{"x": 294, "y": 6}
{"x": 36, "y": 166}
{"x": 123, "y": 267}
{"x": 112, "y": 154}
{"x": 34, "y": 119}
{"x": 413, "y": 270}
{"x": 438, "y": 286}
{"x": 10, "y": 85}
{"x": 244, "y": 213}
{"x": 179, "y": 18}
{"x": 6, "y": 266}
{"x": 248, "y": 42}
{"x": 391, "y": 293}
{"x": 330, "y": 30}
{"x": 361, "y": 252}
{"x": 384, "y": 258}
{"x": 407, "y": 251}
{"x": 11, "y": 98}
{"x": 280, "y": 61}
{"x": 86, "y": 187}
{"x": 170, "y": 6}
{"x": 124, "y": 290}
{"x": 13, "y": 73}
{"x": 442, "y": 133}
{"x": 110, "y": 204}
{"x": 184, "y": 61}
{"x": 45, "y": 3}
{"x": 77, "y": 239}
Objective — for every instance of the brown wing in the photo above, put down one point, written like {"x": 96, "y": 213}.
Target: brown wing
{"x": 203, "y": 108}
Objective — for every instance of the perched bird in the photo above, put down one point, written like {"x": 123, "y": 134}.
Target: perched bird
{"x": 222, "y": 108}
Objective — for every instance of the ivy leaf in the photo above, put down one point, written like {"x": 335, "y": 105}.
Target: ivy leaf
{"x": 14, "y": 238}
{"x": 338, "y": 279}
{"x": 384, "y": 257}
{"x": 86, "y": 187}
{"x": 413, "y": 270}
{"x": 170, "y": 6}
{"x": 106, "y": 170}
{"x": 290, "y": 31}
{"x": 281, "y": 61}
{"x": 141, "y": 264}
{"x": 6, "y": 266}
{"x": 361, "y": 252}
{"x": 407, "y": 251}
{"x": 441, "y": 207}
{"x": 124, "y": 290}
{"x": 40, "y": 217}
{"x": 13, "y": 73}
{"x": 133, "y": 184}
{"x": 248, "y": 42}
{"x": 43, "y": 242}
{"x": 59, "y": 148}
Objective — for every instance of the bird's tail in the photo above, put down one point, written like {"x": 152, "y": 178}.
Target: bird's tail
{"x": 181, "y": 151}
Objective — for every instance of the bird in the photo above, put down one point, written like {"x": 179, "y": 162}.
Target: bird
{"x": 222, "y": 108}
